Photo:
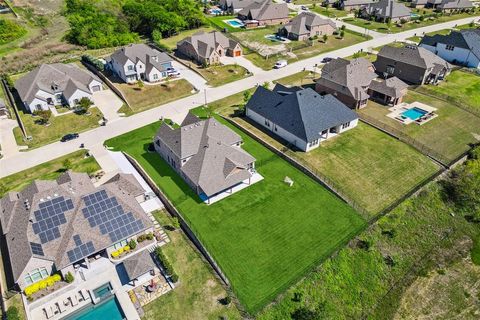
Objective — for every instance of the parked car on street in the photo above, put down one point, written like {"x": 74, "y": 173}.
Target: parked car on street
{"x": 326, "y": 59}
{"x": 304, "y": 8}
{"x": 280, "y": 64}
{"x": 69, "y": 137}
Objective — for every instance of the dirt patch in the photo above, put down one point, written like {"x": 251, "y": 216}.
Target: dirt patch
{"x": 40, "y": 7}
{"x": 451, "y": 291}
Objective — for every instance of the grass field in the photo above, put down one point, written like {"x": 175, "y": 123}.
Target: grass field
{"x": 221, "y": 74}
{"x": 460, "y": 87}
{"x": 48, "y": 171}
{"x": 383, "y": 27}
{"x": 59, "y": 126}
{"x": 198, "y": 295}
{"x": 442, "y": 32}
{"x": 330, "y": 12}
{"x": 151, "y": 96}
{"x": 217, "y": 22}
{"x": 299, "y": 50}
{"x": 265, "y": 237}
{"x": 449, "y": 134}
{"x": 171, "y": 42}
{"x": 302, "y": 78}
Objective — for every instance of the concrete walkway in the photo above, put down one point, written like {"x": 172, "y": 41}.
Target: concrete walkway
{"x": 241, "y": 61}
{"x": 108, "y": 102}
{"x": 7, "y": 139}
{"x": 191, "y": 76}
{"x": 21, "y": 161}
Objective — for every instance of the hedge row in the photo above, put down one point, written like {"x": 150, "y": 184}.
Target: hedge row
{"x": 94, "y": 62}
{"x": 118, "y": 252}
{"x": 167, "y": 266}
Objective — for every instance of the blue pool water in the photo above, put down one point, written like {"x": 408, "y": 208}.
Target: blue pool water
{"x": 414, "y": 15}
{"x": 234, "y": 23}
{"x": 103, "y": 291}
{"x": 414, "y": 113}
{"x": 215, "y": 11}
{"x": 108, "y": 310}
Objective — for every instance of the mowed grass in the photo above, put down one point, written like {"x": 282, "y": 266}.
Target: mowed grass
{"x": 459, "y": 86}
{"x": 265, "y": 237}
{"x": 221, "y": 74}
{"x": 49, "y": 170}
{"x": 59, "y": 126}
{"x": 171, "y": 42}
{"x": 449, "y": 134}
{"x": 150, "y": 96}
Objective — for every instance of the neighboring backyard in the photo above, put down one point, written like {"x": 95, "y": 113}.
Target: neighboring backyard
{"x": 59, "y": 126}
{"x": 449, "y": 134}
{"x": 265, "y": 237}
{"x": 384, "y": 28}
{"x": 330, "y": 12}
{"x": 267, "y": 52}
{"x": 171, "y": 42}
{"x": 199, "y": 294}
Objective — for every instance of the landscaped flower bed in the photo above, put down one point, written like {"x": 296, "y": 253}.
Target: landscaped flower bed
{"x": 142, "y": 241}
{"x": 44, "y": 287}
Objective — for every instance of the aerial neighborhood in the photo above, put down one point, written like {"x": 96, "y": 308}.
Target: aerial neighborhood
{"x": 239, "y": 159}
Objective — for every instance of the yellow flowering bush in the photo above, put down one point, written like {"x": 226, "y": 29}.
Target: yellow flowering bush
{"x": 42, "y": 284}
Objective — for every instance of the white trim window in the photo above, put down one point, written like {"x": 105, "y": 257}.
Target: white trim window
{"x": 345, "y": 125}
{"x": 36, "y": 275}
{"x": 120, "y": 244}
{"x": 155, "y": 76}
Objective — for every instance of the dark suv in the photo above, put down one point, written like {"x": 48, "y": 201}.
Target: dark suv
{"x": 69, "y": 137}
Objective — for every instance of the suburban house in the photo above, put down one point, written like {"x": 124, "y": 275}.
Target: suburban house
{"x": 264, "y": 12}
{"x": 459, "y": 47}
{"x": 307, "y": 25}
{"x": 388, "y": 91}
{"x": 233, "y": 6}
{"x": 54, "y": 226}
{"x": 386, "y": 9}
{"x": 56, "y": 84}
{"x": 412, "y": 64}
{"x": 302, "y": 117}
{"x": 449, "y": 5}
{"x": 139, "y": 62}
{"x": 419, "y": 3}
{"x": 207, "y": 48}
{"x": 350, "y": 5}
{"x": 207, "y": 155}
{"x": 347, "y": 80}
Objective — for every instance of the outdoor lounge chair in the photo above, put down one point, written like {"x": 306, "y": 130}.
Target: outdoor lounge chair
{"x": 74, "y": 300}
{"x": 85, "y": 295}
{"x": 48, "y": 312}
{"x": 61, "y": 307}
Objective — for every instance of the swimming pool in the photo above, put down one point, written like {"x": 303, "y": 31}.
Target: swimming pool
{"x": 414, "y": 15}
{"x": 215, "y": 11}
{"x": 103, "y": 291}
{"x": 234, "y": 23}
{"x": 414, "y": 113}
{"x": 274, "y": 38}
{"x": 109, "y": 309}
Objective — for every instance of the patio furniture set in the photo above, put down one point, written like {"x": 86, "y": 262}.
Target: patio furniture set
{"x": 61, "y": 307}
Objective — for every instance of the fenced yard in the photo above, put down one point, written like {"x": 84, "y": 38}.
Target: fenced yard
{"x": 447, "y": 136}
{"x": 265, "y": 237}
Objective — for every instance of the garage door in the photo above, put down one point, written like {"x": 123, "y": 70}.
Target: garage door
{"x": 96, "y": 88}
{"x": 237, "y": 53}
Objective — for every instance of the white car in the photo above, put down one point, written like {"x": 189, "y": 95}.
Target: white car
{"x": 171, "y": 72}
{"x": 280, "y": 64}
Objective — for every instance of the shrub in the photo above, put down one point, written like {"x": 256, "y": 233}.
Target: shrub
{"x": 149, "y": 236}
{"x": 132, "y": 244}
{"x": 42, "y": 284}
{"x": 94, "y": 62}
{"x": 141, "y": 238}
{"x": 44, "y": 115}
{"x": 114, "y": 254}
{"x": 12, "y": 313}
{"x": 69, "y": 277}
{"x": 126, "y": 248}
{"x": 166, "y": 265}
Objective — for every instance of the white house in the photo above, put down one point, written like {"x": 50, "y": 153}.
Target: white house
{"x": 458, "y": 47}
{"x": 302, "y": 117}
{"x": 56, "y": 84}
{"x": 139, "y": 62}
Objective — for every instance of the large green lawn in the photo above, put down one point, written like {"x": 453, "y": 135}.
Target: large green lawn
{"x": 265, "y": 237}
{"x": 449, "y": 134}
{"x": 171, "y": 42}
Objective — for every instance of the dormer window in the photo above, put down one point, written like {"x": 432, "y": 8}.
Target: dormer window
{"x": 54, "y": 86}
{"x": 130, "y": 67}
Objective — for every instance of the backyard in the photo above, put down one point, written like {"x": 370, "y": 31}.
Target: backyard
{"x": 265, "y": 237}
{"x": 384, "y": 28}
{"x": 59, "y": 126}
{"x": 449, "y": 134}
{"x": 267, "y": 52}
{"x": 329, "y": 12}
{"x": 171, "y": 42}
{"x": 199, "y": 295}
{"x": 217, "y": 22}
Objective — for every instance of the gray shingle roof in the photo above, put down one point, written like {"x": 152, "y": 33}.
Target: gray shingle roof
{"x": 265, "y": 10}
{"x": 302, "y": 23}
{"x": 67, "y": 77}
{"x": 235, "y": 4}
{"x": 17, "y": 219}
{"x": 215, "y": 164}
{"x": 350, "y": 77}
{"x": 135, "y": 52}
{"x": 392, "y": 87}
{"x": 139, "y": 264}
{"x": 455, "y": 4}
{"x": 388, "y": 8}
{"x": 205, "y": 43}
{"x": 413, "y": 55}
{"x": 467, "y": 39}
{"x": 357, "y": 2}
{"x": 303, "y": 113}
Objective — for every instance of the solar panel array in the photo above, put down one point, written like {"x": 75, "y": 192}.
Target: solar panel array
{"x": 108, "y": 215}
{"x": 49, "y": 216}
{"x": 81, "y": 250}
{"x": 37, "y": 248}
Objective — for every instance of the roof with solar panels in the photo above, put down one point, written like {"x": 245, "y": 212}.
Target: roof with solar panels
{"x": 69, "y": 219}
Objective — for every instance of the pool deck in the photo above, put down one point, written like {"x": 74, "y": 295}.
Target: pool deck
{"x": 396, "y": 112}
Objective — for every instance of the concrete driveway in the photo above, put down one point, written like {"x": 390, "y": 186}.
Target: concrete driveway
{"x": 108, "y": 102}
{"x": 7, "y": 139}
{"x": 191, "y": 76}
{"x": 241, "y": 61}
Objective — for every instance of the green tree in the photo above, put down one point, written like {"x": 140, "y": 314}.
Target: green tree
{"x": 246, "y": 96}
{"x": 67, "y": 164}
{"x": 84, "y": 105}
{"x": 342, "y": 34}
{"x": 12, "y": 313}
{"x": 44, "y": 116}
{"x": 69, "y": 278}
{"x": 266, "y": 85}
{"x": 140, "y": 84}
{"x": 325, "y": 38}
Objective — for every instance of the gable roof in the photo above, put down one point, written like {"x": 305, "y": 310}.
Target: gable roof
{"x": 52, "y": 220}
{"x": 348, "y": 3}
{"x": 455, "y": 4}
{"x": 235, "y": 4}
{"x": 205, "y": 43}
{"x": 152, "y": 58}
{"x": 392, "y": 87}
{"x": 467, "y": 39}
{"x": 388, "y": 8}
{"x": 139, "y": 264}
{"x": 348, "y": 76}
{"x": 67, "y": 78}
{"x": 413, "y": 55}
{"x": 302, "y": 23}
{"x": 214, "y": 164}
{"x": 304, "y": 113}
{"x": 265, "y": 10}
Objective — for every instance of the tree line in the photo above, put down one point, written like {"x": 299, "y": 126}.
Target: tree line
{"x": 107, "y": 23}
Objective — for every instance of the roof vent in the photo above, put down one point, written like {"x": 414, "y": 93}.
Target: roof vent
{"x": 27, "y": 204}
{"x": 48, "y": 197}
{"x": 42, "y": 200}
{"x": 55, "y": 194}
